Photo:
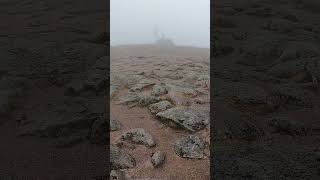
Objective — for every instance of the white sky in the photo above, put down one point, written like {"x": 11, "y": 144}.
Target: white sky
{"x": 186, "y": 22}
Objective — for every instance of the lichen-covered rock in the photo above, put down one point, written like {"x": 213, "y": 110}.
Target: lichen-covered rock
{"x": 138, "y": 136}
{"x": 290, "y": 94}
{"x": 117, "y": 175}
{"x": 160, "y": 106}
{"x": 243, "y": 129}
{"x": 159, "y": 89}
{"x": 114, "y": 125}
{"x": 157, "y": 158}
{"x": 142, "y": 84}
{"x": 129, "y": 98}
{"x": 119, "y": 159}
{"x": 190, "y": 147}
{"x": 147, "y": 100}
{"x": 287, "y": 126}
{"x": 190, "y": 119}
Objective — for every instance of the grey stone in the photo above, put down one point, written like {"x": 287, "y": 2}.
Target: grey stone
{"x": 114, "y": 125}
{"x": 147, "y": 100}
{"x": 159, "y": 89}
{"x": 129, "y": 98}
{"x": 243, "y": 129}
{"x": 190, "y": 147}
{"x": 117, "y": 175}
{"x": 160, "y": 106}
{"x": 138, "y": 136}
{"x": 157, "y": 158}
{"x": 142, "y": 84}
{"x": 119, "y": 159}
{"x": 188, "y": 118}
{"x": 287, "y": 126}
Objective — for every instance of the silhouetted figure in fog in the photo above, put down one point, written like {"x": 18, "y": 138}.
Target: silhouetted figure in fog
{"x": 162, "y": 41}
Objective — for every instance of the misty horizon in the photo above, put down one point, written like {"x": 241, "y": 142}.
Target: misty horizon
{"x": 186, "y": 23}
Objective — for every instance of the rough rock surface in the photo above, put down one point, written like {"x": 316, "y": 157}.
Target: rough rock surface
{"x": 99, "y": 133}
{"x": 119, "y": 159}
{"x": 147, "y": 100}
{"x": 114, "y": 125}
{"x": 159, "y": 89}
{"x": 190, "y": 147}
{"x": 139, "y": 136}
{"x": 117, "y": 175}
{"x": 266, "y": 93}
{"x": 287, "y": 126}
{"x": 157, "y": 158}
{"x": 147, "y": 80}
{"x": 160, "y": 106}
{"x": 188, "y": 118}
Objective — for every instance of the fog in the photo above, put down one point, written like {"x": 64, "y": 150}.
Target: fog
{"x": 186, "y": 22}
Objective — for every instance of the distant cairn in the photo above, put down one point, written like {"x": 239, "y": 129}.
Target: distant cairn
{"x": 162, "y": 41}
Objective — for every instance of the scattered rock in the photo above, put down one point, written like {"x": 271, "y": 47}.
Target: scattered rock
{"x": 147, "y": 100}
{"x": 117, "y": 175}
{"x": 123, "y": 144}
{"x": 188, "y": 118}
{"x": 139, "y": 136}
{"x": 287, "y": 126}
{"x": 160, "y": 106}
{"x": 142, "y": 84}
{"x": 119, "y": 159}
{"x": 190, "y": 147}
{"x": 159, "y": 89}
{"x": 181, "y": 95}
{"x": 129, "y": 98}
{"x": 157, "y": 158}
{"x": 114, "y": 125}
{"x": 243, "y": 129}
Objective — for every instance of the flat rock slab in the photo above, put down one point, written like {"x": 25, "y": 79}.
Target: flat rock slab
{"x": 190, "y": 147}
{"x": 119, "y": 159}
{"x": 142, "y": 84}
{"x": 129, "y": 99}
{"x": 190, "y": 119}
{"x": 138, "y": 136}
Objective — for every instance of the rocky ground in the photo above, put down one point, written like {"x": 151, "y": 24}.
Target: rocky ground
{"x": 160, "y": 108}
{"x": 266, "y": 89}
{"x": 53, "y": 88}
